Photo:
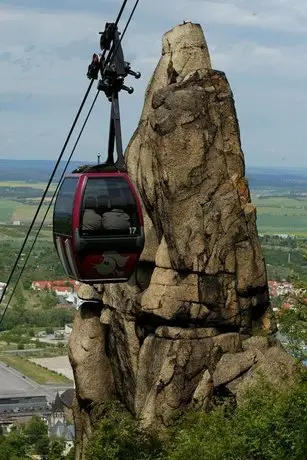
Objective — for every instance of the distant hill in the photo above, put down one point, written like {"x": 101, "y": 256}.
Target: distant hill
{"x": 277, "y": 178}
{"x": 258, "y": 177}
{"x": 33, "y": 170}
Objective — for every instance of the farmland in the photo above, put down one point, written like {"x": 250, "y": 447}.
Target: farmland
{"x": 11, "y": 211}
{"x": 37, "y": 185}
{"x": 275, "y": 214}
{"x": 19, "y": 200}
{"x": 281, "y": 215}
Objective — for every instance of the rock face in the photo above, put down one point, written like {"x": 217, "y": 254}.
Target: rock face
{"x": 180, "y": 332}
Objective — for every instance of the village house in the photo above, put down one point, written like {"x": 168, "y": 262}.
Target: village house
{"x": 277, "y": 288}
{"x": 58, "y": 416}
{"x": 65, "y": 290}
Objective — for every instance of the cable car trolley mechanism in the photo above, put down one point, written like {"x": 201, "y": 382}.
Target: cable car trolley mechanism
{"x": 98, "y": 228}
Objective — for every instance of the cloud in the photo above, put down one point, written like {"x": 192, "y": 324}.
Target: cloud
{"x": 270, "y": 15}
{"x": 253, "y": 59}
{"x": 46, "y": 46}
{"x": 279, "y": 15}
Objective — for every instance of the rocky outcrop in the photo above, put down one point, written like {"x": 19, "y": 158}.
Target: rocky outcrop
{"x": 93, "y": 375}
{"x": 182, "y": 330}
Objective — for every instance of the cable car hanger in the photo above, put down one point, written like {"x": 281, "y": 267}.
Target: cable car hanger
{"x": 105, "y": 61}
{"x": 98, "y": 226}
{"x": 111, "y": 83}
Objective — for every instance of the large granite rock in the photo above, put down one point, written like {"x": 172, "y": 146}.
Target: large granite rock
{"x": 181, "y": 330}
{"x": 91, "y": 367}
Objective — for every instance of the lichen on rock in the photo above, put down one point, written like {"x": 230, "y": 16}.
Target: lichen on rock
{"x": 182, "y": 328}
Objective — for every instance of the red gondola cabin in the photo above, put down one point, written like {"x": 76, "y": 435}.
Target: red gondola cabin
{"x": 98, "y": 227}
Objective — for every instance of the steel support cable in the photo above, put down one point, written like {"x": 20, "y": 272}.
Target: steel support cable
{"x": 124, "y": 31}
{"x": 121, "y": 11}
{"x": 46, "y": 190}
{"x": 55, "y": 168}
{"x": 128, "y": 22}
{"x": 48, "y": 209}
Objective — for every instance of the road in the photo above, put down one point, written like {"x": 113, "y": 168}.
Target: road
{"x": 13, "y": 383}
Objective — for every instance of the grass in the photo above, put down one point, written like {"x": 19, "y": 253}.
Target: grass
{"x": 7, "y": 208}
{"x": 25, "y": 213}
{"x": 280, "y": 201}
{"x": 281, "y": 215}
{"x": 11, "y": 210}
{"x": 15, "y": 232}
{"x": 33, "y": 371}
{"x": 284, "y": 224}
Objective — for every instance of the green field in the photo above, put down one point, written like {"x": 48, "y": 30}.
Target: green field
{"x": 19, "y": 208}
{"x": 274, "y": 214}
{"x": 11, "y": 210}
{"x": 281, "y": 215}
{"x": 33, "y": 371}
{"x": 19, "y": 232}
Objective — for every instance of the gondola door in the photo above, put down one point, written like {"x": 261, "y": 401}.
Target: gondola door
{"x": 63, "y": 216}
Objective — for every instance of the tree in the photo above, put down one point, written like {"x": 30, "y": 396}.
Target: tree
{"x": 42, "y": 445}
{"x": 35, "y": 429}
{"x": 71, "y": 454}
{"x": 6, "y": 450}
{"x": 49, "y": 300}
{"x": 31, "y": 438}
{"x": 56, "y": 447}
{"x": 270, "y": 425}
{"x": 2, "y": 438}
{"x": 19, "y": 300}
{"x": 119, "y": 436}
{"x": 14, "y": 445}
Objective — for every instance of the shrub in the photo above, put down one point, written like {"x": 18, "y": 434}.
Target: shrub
{"x": 270, "y": 425}
{"x": 119, "y": 436}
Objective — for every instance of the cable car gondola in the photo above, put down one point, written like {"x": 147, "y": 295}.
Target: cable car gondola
{"x": 98, "y": 225}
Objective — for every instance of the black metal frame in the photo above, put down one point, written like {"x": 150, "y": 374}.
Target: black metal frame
{"x": 113, "y": 74}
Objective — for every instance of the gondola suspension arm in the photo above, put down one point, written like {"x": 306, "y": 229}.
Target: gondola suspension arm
{"x": 111, "y": 83}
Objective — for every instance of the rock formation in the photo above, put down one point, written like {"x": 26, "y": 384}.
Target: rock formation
{"x": 184, "y": 329}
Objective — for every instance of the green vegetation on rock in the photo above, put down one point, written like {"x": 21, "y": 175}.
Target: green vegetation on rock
{"x": 119, "y": 436}
{"x": 270, "y": 425}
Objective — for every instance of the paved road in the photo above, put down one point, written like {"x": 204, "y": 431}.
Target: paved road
{"x": 13, "y": 383}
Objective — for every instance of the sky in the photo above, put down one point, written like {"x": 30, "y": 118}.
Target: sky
{"x": 46, "y": 46}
